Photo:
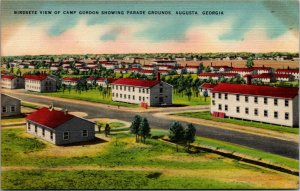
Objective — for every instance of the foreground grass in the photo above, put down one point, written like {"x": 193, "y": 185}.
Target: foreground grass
{"x": 206, "y": 115}
{"x": 12, "y": 119}
{"x": 89, "y": 179}
{"x": 29, "y": 105}
{"x": 92, "y": 95}
{"x": 209, "y": 171}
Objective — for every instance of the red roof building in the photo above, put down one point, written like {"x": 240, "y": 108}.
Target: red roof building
{"x": 38, "y": 77}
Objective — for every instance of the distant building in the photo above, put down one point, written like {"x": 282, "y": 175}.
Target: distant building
{"x": 275, "y": 105}
{"x": 294, "y": 72}
{"x": 10, "y": 106}
{"x": 263, "y": 70}
{"x": 264, "y": 77}
{"x": 104, "y": 82}
{"x": 208, "y": 87}
{"x": 59, "y": 127}
{"x": 136, "y": 91}
{"x": 192, "y": 69}
{"x": 206, "y": 76}
{"x": 70, "y": 81}
{"x": 218, "y": 69}
{"x": 11, "y": 81}
{"x": 284, "y": 77}
{"x": 40, "y": 83}
{"x": 243, "y": 71}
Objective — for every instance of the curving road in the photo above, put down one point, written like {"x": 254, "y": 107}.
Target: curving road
{"x": 268, "y": 144}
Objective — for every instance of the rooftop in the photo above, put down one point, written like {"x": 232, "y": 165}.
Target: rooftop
{"x": 49, "y": 118}
{"x": 135, "y": 82}
{"x": 270, "y": 91}
{"x": 39, "y": 77}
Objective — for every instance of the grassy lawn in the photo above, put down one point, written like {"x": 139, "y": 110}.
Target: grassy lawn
{"x": 183, "y": 100}
{"x": 128, "y": 165}
{"x": 90, "y": 95}
{"x": 12, "y": 119}
{"x": 111, "y": 124}
{"x": 206, "y": 115}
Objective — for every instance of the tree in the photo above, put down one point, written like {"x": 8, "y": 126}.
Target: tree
{"x": 134, "y": 128}
{"x": 205, "y": 94}
{"x": 18, "y": 72}
{"x": 107, "y": 129}
{"x": 189, "y": 135}
{"x": 176, "y": 133}
{"x": 144, "y": 130}
{"x": 249, "y": 63}
{"x": 188, "y": 93}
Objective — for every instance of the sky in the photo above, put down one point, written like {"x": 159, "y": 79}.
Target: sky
{"x": 244, "y": 26}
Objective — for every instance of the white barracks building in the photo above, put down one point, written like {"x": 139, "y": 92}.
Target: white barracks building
{"x": 136, "y": 91}
{"x": 275, "y": 105}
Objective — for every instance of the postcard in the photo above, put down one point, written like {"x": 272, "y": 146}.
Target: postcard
{"x": 149, "y": 95}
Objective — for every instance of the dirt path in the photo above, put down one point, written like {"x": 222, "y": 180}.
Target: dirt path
{"x": 234, "y": 127}
{"x": 261, "y": 179}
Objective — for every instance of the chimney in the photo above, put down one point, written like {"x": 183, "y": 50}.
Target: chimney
{"x": 211, "y": 64}
{"x": 231, "y": 64}
{"x": 249, "y": 78}
{"x": 51, "y": 107}
{"x": 263, "y": 66}
{"x": 157, "y": 76}
{"x": 66, "y": 111}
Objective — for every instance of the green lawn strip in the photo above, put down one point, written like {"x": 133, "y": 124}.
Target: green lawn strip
{"x": 206, "y": 115}
{"x": 111, "y": 124}
{"x": 29, "y": 105}
{"x": 90, "y": 95}
{"x": 183, "y": 100}
{"x": 92, "y": 179}
{"x": 12, "y": 119}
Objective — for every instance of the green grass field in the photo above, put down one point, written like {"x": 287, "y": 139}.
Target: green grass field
{"x": 127, "y": 165}
{"x": 12, "y": 119}
{"x": 183, "y": 100}
{"x": 206, "y": 115}
{"x": 29, "y": 105}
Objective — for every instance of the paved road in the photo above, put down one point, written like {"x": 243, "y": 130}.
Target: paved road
{"x": 272, "y": 145}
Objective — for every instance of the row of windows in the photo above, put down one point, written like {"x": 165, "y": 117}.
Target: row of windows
{"x": 266, "y": 113}
{"x": 275, "y": 100}
{"x": 33, "y": 81}
{"x": 125, "y": 96}
{"x": 6, "y": 109}
{"x": 129, "y": 88}
{"x": 66, "y": 134}
{"x": 33, "y": 87}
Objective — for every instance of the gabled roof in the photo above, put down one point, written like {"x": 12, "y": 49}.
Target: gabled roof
{"x": 282, "y": 75}
{"x": 110, "y": 80}
{"x": 270, "y": 91}
{"x": 242, "y": 69}
{"x": 207, "y": 86}
{"x": 136, "y": 82}
{"x": 92, "y": 78}
{"x": 71, "y": 79}
{"x": 263, "y": 75}
{"x": 262, "y": 68}
{"x": 209, "y": 74}
{"x": 220, "y": 67}
{"x": 8, "y": 76}
{"x": 287, "y": 70}
{"x": 39, "y": 77}
{"x": 49, "y": 118}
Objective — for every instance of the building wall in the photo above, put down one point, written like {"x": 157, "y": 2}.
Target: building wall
{"x": 232, "y": 105}
{"x": 14, "y": 83}
{"x": 37, "y": 130}
{"x": 74, "y": 126}
{"x": 136, "y": 95}
{"x": 46, "y": 85}
{"x": 10, "y": 106}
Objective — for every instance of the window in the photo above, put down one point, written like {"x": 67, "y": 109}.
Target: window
{"x": 246, "y": 98}
{"x": 12, "y": 108}
{"x": 51, "y": 135}
{"x": 220, "y": 107}
{"x": 28, "y": 126}
{"x": 256, "y": 112}
{"x": 213, "y": 102}
{"x": 125, "y": 96}
{"x": 220, "y": 95}
{"x": 143, "y": 98}
{"x": 255, "y": 100}
{"x": 85, "y": 133}
{"x": 265, "y": 100}
{"x": 35, "y": 128}
{"x": 139, "y": 90}
{"x": 147, "y": 91}
{"x": 286, "y": 116}
{"x": 140, "y": 98}
{"x": 116, "y": 87}
{"x": 213, "y": 95}
{"x": 113, "y": 94}
{"x": 121, "y": 95}
{"x": 129, "y": 89}
{"x": 160, "y": 90}
{"x": 286, "y": 103}
{"x": 117, "y": 94}
{"x": 132, "y": 88}
{"x": 237, "y": 97}
{"x": 238, "y": 109}
{"x": 120, "y": 87}
{"x": 43, "y": 132}
{"x": 128, "y": 96}
{"x": 247, "y": 110}
{"x": 66, "y": 135}
{"x": 226, "y": 96}
{"x": 275, "y": 101}
{"x": 266, "y": 113}
{"x": 4, "y": 109}
{"x": 133, "y": 97}
{"x": 275, "y": 114}
{"x": 124, "y": 88}
{"x": 226, "y": 107}
{"x": 143, "y": 90}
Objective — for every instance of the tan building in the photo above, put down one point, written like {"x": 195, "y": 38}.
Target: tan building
{"x": 10, "y": 106}
{"x": 294, "y": 72}
{"x": 40, "y": 83}
{"x": 10, "y": 81}
{"x": 275, "y": 105}
{"x": 59, "y": 127}
{"x": 137, "y": 91}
